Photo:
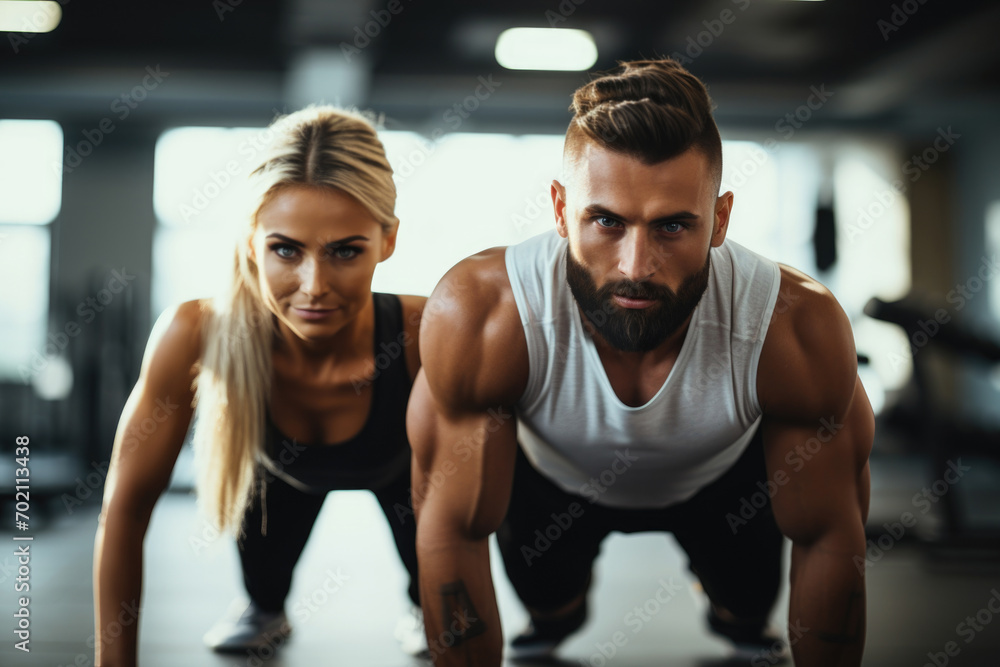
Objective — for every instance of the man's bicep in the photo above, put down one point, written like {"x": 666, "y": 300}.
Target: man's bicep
{"x": 475, "y": 369}
{"x": 463, "y": 460}
{"x": 819, "y": 470}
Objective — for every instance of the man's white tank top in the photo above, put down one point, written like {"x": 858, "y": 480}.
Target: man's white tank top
{"x": 576, "y": 431}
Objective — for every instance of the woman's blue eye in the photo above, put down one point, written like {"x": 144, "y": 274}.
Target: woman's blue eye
{"x": 346, "y": 252}
{"x": 285, "y": 251}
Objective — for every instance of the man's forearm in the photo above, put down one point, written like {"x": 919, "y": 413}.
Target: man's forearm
{"x": 827, "y": 611}
{"x": 460, "y": 610}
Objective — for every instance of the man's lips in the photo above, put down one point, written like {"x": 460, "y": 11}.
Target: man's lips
{"x": 632, "y": 302}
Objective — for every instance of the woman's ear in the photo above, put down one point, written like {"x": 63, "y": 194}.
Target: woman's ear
{"x": 389, "y": 243}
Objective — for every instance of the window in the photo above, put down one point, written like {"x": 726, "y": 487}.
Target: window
{"x": 776, "y": 193}
{"x": 30, "y": 199}
{"x": 200, "y": 189}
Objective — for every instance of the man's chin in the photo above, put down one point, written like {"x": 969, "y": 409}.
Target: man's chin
{"x": 612, "y": 330}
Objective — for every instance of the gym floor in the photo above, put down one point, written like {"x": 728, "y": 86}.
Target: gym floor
{"x": 349, "y": 592}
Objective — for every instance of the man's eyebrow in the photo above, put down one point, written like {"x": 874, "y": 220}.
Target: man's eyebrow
{"x": 597, "y": 209}
{"x": 679, "y": 215}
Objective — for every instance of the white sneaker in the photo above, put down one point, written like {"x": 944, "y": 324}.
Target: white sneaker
{"x": 243, "y": 628}
{"x": 410, "y": 633}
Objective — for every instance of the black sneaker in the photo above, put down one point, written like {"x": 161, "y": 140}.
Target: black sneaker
{"x": 541, "y": 637}
{"x": 751, "y": 641}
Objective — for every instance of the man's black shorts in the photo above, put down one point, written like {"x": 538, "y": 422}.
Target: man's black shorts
{"x": 550, "y": 538}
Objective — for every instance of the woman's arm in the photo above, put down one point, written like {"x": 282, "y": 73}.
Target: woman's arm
{"x": 150, "y": 434}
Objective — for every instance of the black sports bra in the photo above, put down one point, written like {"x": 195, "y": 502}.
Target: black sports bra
{"x": 380, "y": 451}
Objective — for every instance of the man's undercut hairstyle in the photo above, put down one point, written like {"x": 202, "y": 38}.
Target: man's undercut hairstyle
{"x": 650, "y": 110}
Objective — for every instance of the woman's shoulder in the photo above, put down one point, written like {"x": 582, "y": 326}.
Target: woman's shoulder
{"x": 194, "y": 314}
{"x": 176, "y": 340}
{"x": 185, "y": 322}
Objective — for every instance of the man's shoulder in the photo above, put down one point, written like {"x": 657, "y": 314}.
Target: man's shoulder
{"x": 808, "y": 364}
{"x": 482, "y": 273}
{"x": 472, "y": 342}
{"x": 473, "y": 292}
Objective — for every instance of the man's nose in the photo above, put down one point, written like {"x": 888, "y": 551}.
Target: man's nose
{"x": 638, "y": 258}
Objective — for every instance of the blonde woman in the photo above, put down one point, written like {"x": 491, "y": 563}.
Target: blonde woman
{"x": 288, "y": 356}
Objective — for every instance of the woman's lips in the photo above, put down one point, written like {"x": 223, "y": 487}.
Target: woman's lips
{"x": 314, "y": 313}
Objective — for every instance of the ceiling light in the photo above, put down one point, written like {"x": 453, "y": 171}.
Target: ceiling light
{"x": 29, "y": 16}
{"x": 546, "y": 49}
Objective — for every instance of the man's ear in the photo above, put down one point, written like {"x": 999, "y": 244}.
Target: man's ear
{"x": 558, "y": 192}
{"x": 720, "y": 223}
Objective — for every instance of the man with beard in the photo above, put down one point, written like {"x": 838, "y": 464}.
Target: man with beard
{"x": 633, "y": 370}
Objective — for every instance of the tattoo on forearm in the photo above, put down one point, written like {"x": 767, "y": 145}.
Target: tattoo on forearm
{"x": 460, "y": 621}
{"x": 851, "y": 627}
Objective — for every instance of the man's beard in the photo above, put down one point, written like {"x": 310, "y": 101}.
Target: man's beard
{"x": 635, "y": 329}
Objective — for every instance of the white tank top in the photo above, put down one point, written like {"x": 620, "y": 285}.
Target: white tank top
{"x": 576, "y": 431}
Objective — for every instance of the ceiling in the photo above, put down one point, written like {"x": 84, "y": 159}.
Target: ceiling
{"x": 242, "y": 58}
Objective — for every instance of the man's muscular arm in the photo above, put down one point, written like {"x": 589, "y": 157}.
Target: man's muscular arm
{"x": 818, "y": 428}
{"x": 463, "y": 433}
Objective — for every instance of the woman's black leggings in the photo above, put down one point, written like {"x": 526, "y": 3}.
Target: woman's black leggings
{"x": 268, "y": 560}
